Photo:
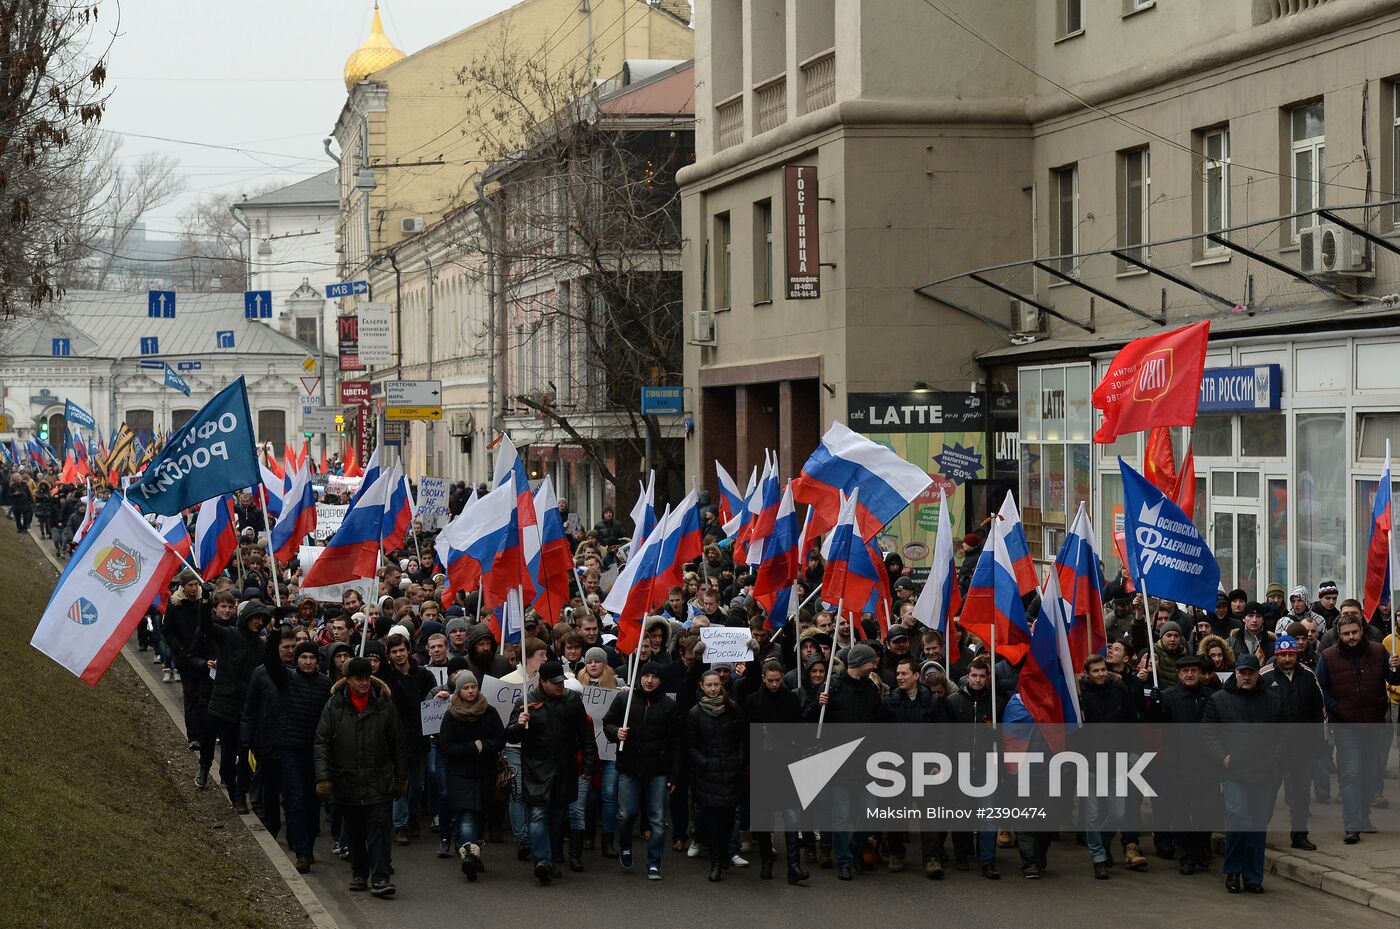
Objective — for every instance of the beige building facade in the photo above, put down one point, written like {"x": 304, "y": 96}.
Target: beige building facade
{"x": 1164, "y": 160}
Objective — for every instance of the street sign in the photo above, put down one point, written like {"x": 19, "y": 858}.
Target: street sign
{"x": 309, "y": 384}
{"x": 257, "y": 304}
{"x": 404, "y": 413}
{"x": 354, "y": 393}
{"x": 393, "y": 433}
{"x": 663, "y": 401}
{"x": 223, "y": 338}
{"x": 189, "y": 365}
{"x": 319, "y": 418}
{"x": 309, "y": 364}
{"x": 346, "y": 289}
{"x": 160, "y": 304}
{"x": 413, "y": 393}
{"x": 376, "y": 334}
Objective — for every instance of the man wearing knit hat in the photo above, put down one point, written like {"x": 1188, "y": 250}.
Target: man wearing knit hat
{"x": 648, "y": 761}
{"x": 1301, "y": 703}
{"x": 853, "y": 697}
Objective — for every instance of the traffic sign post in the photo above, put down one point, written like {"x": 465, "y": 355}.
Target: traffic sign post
{"x": 407, "y": 400}
{"x": 662, "y": 401}
{"x": 319, "y": 418}
{"x": 346, "y": 289}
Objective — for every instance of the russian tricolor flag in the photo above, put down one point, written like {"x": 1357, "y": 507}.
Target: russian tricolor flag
{"x": 1047, "y": 682}
{"x": 298, "y": 519}
{"x": 731, "y": 501}
{"x": 765, "y": 513}
{"x": 993, "y": 609}
{"x": 643, "y": 516}
{"x": 215, "y": 535}
{"x": 273, "y": 484}
{"x": 352, "y": 554}
{"x": 940, "y": 600}
{"x": 781, "y": 562}
{"x": 634, "y": 593}
{"x": 1080, "y": 579}
{"x": 850, "y": 577}
{"x": 485, "y": 550}
{"x": 398, "y": 514}
{"x": 555, "y": 567}
{"x": 845, "y": 461}
{"x": 1379, "y": 557}
{"x": 511, "y": 470}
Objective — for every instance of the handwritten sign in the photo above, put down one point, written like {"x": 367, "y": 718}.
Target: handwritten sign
{"x": 596, "y": 701}
{"x": 329, "y": 516}
{"x": 430, "y": 713}
{"x": 501, "y": 695}
{"x": 726, "y": 643}
{"x": 432, "y": 502}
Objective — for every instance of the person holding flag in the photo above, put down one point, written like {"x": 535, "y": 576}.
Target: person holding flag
{"x": 845, "y": 461}
{"x": 940, "y": 600}
{"x": 215, "y": 535}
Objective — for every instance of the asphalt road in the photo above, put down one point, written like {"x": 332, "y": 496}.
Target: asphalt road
{"x": 433, "y": 892}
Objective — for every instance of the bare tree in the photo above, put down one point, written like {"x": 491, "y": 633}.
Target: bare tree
{"x": 587, "y": 239}
{"x": 215, "y": 244}
{"x": 52, "y": 73}
{"x": 152, "y": 181}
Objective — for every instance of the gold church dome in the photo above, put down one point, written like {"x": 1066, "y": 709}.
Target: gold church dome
{"x": 375, "y": 55}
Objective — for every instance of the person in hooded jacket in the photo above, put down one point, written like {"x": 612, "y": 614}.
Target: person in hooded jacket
{"x": 259, "y": 730}
{"x": 361, "y": 762}
{"x": 182, "y": 618}
{"x": 409, "y": 685}
{"x": 648, "y": 764}
{"x": 483, "y": 653}
{"x": 470, "y": 741}
{"x": 235, "y": 651}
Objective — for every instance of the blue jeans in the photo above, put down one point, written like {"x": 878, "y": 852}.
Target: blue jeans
{"x": 1247, "y": 811}
{"x": 844, "y": 845}
{"x": 986, "y": 845}
{"x": 467, "y": 828}
{"x": 299, "y": 800}
{"x": 601, "y": 801}
{"x": 1102, "y": 816}
{"x": 518, "y": 821}
{"x": 630, "y": 791}
{"x": 437, "y": 776}
{"x": 578, "y": 809}
{"x": 546, "y": 830}
{"x": 405, "y": 805}
{"x": 1358, "y": 751}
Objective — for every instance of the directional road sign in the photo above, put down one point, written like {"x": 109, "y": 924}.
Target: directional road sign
{"x": 346, "y": 289}
{"x": 662, "y": 400}
{"x": 160, "y": 304}
{"x": 257, "y": 304}
{"x": 412, "y": 400}
{"x": 319, "y": 418}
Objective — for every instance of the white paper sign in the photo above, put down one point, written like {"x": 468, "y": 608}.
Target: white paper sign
{"x": 430, "y": 713}
{"x": 501, "y": 695}
{"x": 726, "y": 643}
{"x": 329, "y": 516}
{"x": 596, "y": 701}
{"x": 432, "y": 501}
{"x": 337, "y": 484}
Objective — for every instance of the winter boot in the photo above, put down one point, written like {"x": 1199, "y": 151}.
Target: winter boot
{"x": 576, "y": 850}
{"x": 609, "y": 850}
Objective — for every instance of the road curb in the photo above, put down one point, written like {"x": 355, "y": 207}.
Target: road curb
{"x": 315, "y": 910}
{"x": 1330, "y": 881}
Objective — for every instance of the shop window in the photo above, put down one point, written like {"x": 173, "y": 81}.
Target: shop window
{"x": 1264, "y": 436}
{"x": 1052, "y": 404}
{"x": 1030, "y": 405}
{"x": 1361, "y": 534}
{"x": 1110, "y": 501}
{"x": 1320, "y": 497}
{"x": 1276, "y": 513}
{"x": 1079, "y": 417}
{"x": 1213, "y": 435}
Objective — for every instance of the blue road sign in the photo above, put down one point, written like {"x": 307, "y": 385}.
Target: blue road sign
{"x": 257, "y": 304}
{"x": 151, "y": 366}
{"x": 223, "y": 338}
{"x": 189, "y": 366}
{"x": 347, "y": 289}
{"x": 150, "y": 345}
{"x": 160, "y": 304}
{"x": 663, "y": 401}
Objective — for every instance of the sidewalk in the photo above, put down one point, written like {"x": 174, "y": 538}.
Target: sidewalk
{"x": 1367, "y": 873}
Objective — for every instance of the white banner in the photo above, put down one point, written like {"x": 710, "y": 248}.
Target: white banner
{"x": 432, "y": 501}
{"x": 337, "y": 484}
{"x": 596, "y": 701}
{"x": 726, "y": 643}
{"x": 430, "y": 714}
{"x": 329, "y": 516}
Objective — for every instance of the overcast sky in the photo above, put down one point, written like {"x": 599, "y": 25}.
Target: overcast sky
{"x": 262, "y": 76}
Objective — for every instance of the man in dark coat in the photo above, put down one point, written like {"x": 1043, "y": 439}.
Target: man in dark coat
{"x": 553, "y": 731}
{"x": 909, "y": 701}
{"x": 362, "y": 764}
{"x": 235, "y": 650}
{"x": 609, "y": 531}
{"x": 1185, "y": 703}
{"x": 181, "y": 625}
{"x": 482, "y": 653}
{"x": 776, "y": 704}
{"x": 259, "y": 730}
{"x": 1236, "y": 736}
{"x": 648, "y": 759}
{"x": 409, "y": 685}
{"x": 1300, "y": 703}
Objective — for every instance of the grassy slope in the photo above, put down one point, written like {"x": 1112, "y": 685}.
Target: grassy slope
{"x": 99, "y": 822}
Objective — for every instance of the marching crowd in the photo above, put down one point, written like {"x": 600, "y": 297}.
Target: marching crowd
{"x": 313, "y": 710}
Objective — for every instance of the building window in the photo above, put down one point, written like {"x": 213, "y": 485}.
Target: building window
{"x": 306, "y": 331}
{"x": 179, "y": 417}
{"x": 1054, "y": 429}
{"x": 1395, "y": 146}
{"x": 272, "y": 427}
{"x": 763, "y": 251}
{"x": 1215, "y": 181}
{"x": 724, "y": 262}
{"x": 150, "y": 345}
{"x": 1319, "y": 502}
{"x": 141, "y": 422}
{"x": 1065, "y": 189}
{"x": 1134, "y": 200}
{"x": 1071, "y": 17}
{"x": 1309, "y": 163}
{"x": 62, "y": 348}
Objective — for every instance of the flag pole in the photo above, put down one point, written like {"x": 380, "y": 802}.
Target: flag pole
{"x": 993, "y": 672}
{"x": 831, "y": 665}
{"x": 794, "y": 606}
{"x": 632, "y": 682}
{"x": 1142, "y": 586}
{"x": 272, "y": 556}
{"x": 520, "y": 655}
{"x": 1390, "y": 559}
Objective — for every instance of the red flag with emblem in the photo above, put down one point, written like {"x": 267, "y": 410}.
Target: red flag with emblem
{"x": 1154, "y": 381}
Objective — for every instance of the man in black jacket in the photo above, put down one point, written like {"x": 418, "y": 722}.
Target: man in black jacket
{"x": 302, "y": 692}
{"x": 648, "y": 759}
{"x": 775, "y": 704}
{"x": 259, "y": 731}
{"x": 1190, "y": 796}
{"x": 234, "y": 651}
{"x": 975, "y": 704}
{"x": 552, "y": 729}
{"x": 1300, "y": 703}
{"x": 1246, "y": 754}
{"x": 909, "y": 701}
{"x": 362, "y": 764}
{"x": 409, "y": 686}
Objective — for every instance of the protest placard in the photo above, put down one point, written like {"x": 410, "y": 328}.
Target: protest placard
{"x": 432, "y": 501}
{"x": 430, "y": 713}
{"x": 596, "y": 701}
{"x": 329, "y": 516}
{"x": 726, "y": 643}
{"x": 501, "y": 695}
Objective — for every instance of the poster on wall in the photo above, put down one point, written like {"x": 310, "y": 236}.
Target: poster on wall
{"x": 945, "y": 433}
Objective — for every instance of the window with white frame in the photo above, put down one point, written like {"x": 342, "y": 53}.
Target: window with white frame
{"x": 1134, "y": 199}
{"x": 1055, "y": 428}
{"x": 1215, "y": 181}
{"x": 763, "y": 251}
{"x": 1065, "y": 190}
{"x": 1071, "y": 17}
{"x": 1395, "y": 146}
{"x": 1309, "y": 163}
{"x": 724, "y": 257}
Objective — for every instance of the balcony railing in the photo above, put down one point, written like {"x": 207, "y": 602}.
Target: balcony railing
{"x": 819, "y": 81}
{"x": 1266, "y": 11}
{"x": 729, "y": 115}
{"x": 770, "y": 103}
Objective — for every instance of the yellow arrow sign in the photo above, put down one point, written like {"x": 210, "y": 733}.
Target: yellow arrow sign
{"x": 400, "y": 413}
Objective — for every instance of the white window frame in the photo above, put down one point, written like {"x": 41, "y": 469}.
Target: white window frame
{"x": 1221, "y": 166}
{"x": 1071, "y": 10}
{"x": 1315, "y": 147}
{"x": 1144, "y": 208}
{"x": 1069, "y": 265}
{"x": 1395, "y": 148}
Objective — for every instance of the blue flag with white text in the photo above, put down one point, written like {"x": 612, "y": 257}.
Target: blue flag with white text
{"x": 176, "y": 381}
{"x": 1167, "y": 556}
{"x": 212, "y": 454}
{"x": 75, "y": 415}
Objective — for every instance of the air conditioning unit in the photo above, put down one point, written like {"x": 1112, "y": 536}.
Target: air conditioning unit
{"x": 1026, "y": 319}
{"x": 702, "y": 328}
{"x": 1327, "y": 248}
{"x": 460, "y": 424}
{"x": 411, "y": 225}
